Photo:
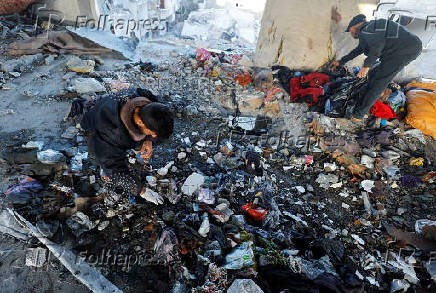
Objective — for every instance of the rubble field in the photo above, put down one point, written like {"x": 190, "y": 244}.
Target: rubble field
{"x": 251, "y": 194}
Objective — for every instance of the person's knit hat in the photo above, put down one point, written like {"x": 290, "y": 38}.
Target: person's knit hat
{"x": 356, "y": 20}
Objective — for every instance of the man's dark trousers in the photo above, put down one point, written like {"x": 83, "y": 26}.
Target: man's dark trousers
{"x": 380, "y": 76}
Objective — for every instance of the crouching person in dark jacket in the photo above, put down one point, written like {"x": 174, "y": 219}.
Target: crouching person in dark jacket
{"x": 114, "y": 127}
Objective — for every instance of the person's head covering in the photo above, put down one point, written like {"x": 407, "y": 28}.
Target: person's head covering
{"x": 356, "y": 20}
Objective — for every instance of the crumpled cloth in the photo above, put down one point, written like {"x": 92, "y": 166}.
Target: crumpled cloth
{"x": 410, "y": 181}
{"x": 369, "y": 138}
{"x": 381, "y": 110}
{"x": 397, "y": 100}
{"x": 14, "y": 6}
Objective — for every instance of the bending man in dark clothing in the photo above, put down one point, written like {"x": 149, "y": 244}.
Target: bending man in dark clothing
{"x": 380, "y": 39}
{"x": 115, "y": 126}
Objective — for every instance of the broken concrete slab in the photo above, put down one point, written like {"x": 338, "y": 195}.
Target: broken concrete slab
{"x": 78, "y": 65}
{"x": 87, "y": 85}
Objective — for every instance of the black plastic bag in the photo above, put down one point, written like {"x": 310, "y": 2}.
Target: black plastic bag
{"x": 343, "y": 99}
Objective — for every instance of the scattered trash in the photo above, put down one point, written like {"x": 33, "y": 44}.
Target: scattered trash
{"x": 417, "y": 162}
{"x": 192, "y": 183}
{"x": 36, "y": 257}
{"x": 257, "y": 213}
{"x": 152, "y": 196}
{"x": 241, "y": 257}
{"x": 244, "y": 285}
{"x": 50, "y": 157}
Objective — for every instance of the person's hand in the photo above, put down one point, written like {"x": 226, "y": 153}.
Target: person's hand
{"x": 362, "y": 73}
{"x": 333, "y": 65}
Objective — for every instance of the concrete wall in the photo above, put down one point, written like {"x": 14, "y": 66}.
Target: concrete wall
{"x": 306, "y": 34}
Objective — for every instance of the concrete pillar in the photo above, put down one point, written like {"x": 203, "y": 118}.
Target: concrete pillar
{"x": 304, "y": 34}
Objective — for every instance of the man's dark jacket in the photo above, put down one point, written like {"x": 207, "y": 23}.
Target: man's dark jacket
{"x": 383, "y": 39}
{"x": 109, "y": 137}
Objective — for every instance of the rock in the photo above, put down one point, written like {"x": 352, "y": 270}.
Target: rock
{"x": 34, "y": 145}
{"x": 191, "y": 110}
{"x": 87, "y": 85}
{"x": 192, "y": 183}
{"x": 401, "y": 211}
{"x": 205, "y": 226}
{"x": 15, "y": 74}
{"x": 367, "y": 185}
{"x": 309, "y": 188}
{"x": 164, "y": 170}
{"x": 330, "y": 167}
{"x": 370, "y": 153}
{"x": 71, "y": 151}
{"x": 79, "y": 223}
{"x": 238, "y": 220}
{"x": 367, "y": 161}
{"x": 50, "y": 157}
{"x": 152, "y": 196}
{"x": 78, "y": 65}
{"x": 70, "y": 132}
{"x": 225, "y": 211}
{"x": 151, "y": 180}
{"x": 36, "y": 257}
{"x": 103, "y": 225}
{"x": 390, "y": 155}
{"x": 218, "y": 158}
{"x": 325, "y": 180}
{"x": 244, "y": 286}
{"x": 300, "y": 189}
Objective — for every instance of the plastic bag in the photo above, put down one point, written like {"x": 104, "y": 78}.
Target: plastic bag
{"x": 242, "y": 256}
{"x": 343, "y": 99}
{"x": 257, "y": 213}
{"x": 421, "y": 107}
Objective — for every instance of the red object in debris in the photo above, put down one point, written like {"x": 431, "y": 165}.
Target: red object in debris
{"x": 272, "y": 91}
{"x": 202, "y": 55}
{"x": 256, "y": 213}
{"x": 14, "y": 6}
{"x": 311, "y": 85}
{"x": 308, "y": 159}
{"x": 381, "y": 110}
{"x": 244, "y": 79}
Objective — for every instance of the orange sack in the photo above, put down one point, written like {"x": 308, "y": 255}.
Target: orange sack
{"x": 14, "y": 6}
{"x": 421, "y": 107}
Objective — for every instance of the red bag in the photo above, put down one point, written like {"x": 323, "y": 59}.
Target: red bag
{"x": 309, "y": 87}
{"x": 257, "y": 213}
{"x": 381, "y": 110}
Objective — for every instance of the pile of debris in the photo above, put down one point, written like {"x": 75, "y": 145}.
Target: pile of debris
{"x": 231, "y": 203}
